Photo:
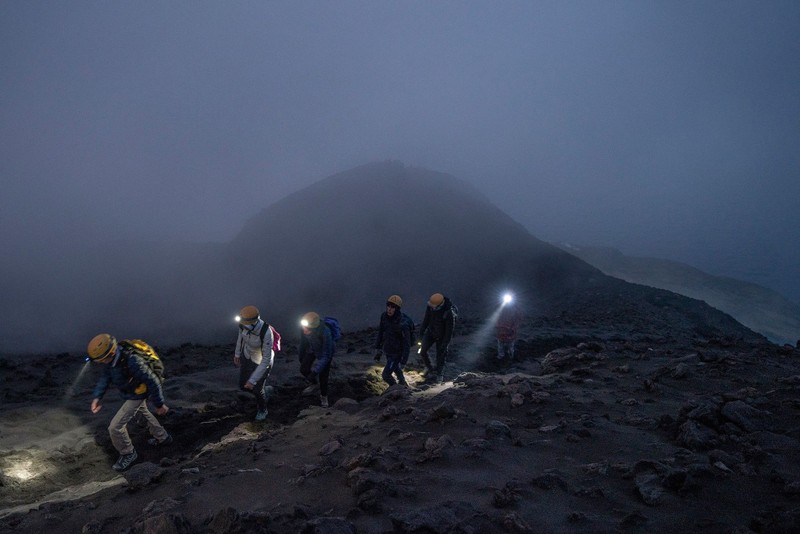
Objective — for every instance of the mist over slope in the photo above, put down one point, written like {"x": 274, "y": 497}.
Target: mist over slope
{"x": 344, "y": 244}
{"x": 339, "y": 247}
{"x": 755, "y": 306}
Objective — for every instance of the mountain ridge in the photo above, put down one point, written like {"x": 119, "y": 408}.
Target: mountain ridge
{"x": 760, "y": 308}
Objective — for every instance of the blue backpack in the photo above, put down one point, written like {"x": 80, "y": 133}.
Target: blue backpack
{"x": 333, "y": 325}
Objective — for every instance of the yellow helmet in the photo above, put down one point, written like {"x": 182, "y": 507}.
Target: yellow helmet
{"x": 435, "y": 300}
{"x": 101, "y": 347}
{"x": 310, "y": 320}
{"x": 248, "y": 315}
{"x": 396, "y": 300}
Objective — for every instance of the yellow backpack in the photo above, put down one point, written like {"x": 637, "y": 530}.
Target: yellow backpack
{"x": 148, "y": 355}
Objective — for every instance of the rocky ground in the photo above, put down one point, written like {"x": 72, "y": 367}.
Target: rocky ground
{"x": 583, "y": 432}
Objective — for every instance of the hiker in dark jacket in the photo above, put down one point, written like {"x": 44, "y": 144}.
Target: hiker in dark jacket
{"x": 437, "y": 327}
{"x": 395, "y": 333}
{"x": 137, "y": 382}
{"x": 316, "y": 354}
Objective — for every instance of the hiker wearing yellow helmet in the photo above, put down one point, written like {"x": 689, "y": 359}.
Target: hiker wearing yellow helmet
{"x": 125, "y": 366}
{"x": 437, "y": 328}
{"x": 254, "y": 356}
{"x": 395, "y": 337}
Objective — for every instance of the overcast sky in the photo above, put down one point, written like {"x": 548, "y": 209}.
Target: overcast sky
{"x": 667, "y": 128}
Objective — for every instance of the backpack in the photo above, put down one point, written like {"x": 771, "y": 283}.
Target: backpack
{"x": 276, "y": 337}
{"x": 412, "y": 330}
{"x": 147, "y": 354}
{"x": 333, "y": 325}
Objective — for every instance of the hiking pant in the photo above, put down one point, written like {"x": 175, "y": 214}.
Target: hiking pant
{"x": 393, "y": 365}
{"x": 322, "y": 378}
{"x": 441, "y": 353}
{"x": 245, "y": 372}
{"x": 118, "y": 427}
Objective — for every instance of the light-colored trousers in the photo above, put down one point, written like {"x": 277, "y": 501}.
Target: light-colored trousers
{"x": 118, "y": 427}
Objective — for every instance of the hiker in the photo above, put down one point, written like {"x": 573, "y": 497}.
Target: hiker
{"x": 316, "y": 350}
{"x": 437, "y": 328}
{"x": 506, "y": 329}
{"x": 252, "y": 358}
{"x": 395, "y": 338}
{"x": 127, "y": 366}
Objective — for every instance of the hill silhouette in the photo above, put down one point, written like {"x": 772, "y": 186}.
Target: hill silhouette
{"x": 340, "y": 247}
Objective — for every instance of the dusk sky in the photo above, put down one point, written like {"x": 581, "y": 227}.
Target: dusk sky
{"x": 662, "y": 128}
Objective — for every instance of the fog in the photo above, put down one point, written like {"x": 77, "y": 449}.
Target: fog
{"x": 666, "y": 129}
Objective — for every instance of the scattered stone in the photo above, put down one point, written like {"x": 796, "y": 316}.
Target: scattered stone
{"x": 681, "y": 371}
{"x": 497, "y": 429}
{"x": 516, "y": 525}
{"x": 330, "y": 447}
{"x": 140, "y": 475}
{"x": 697, "y": 437}
{"x": 745, "y": 416}
{"x": 649, "y": 488}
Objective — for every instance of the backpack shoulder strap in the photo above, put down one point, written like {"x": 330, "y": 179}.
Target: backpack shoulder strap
{"x": 263, "y": 333}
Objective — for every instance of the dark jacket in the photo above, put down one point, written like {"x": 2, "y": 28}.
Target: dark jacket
{"x": 439, "y": 323}
{"x": 320, "y": 342}
{"x": 128, "y": 372}
{"x": 394, "y": 334}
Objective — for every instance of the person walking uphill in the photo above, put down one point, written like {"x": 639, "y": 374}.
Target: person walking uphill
{"x": 254, "y": 356}
{"x": 437, "y": 328}
{"x": 395, "y": 338}
{"x": 506, "y": 330}
{"x": 316, "y": 350}
{"x": 134, "y": 367}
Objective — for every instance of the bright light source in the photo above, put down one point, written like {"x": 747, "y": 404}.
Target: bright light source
{"x": 237, "y": 318}
{"x": 507, "y": 298}
{"x": 303, "y": 322}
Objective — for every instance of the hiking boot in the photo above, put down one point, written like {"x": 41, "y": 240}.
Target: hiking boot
{"x": 153, "y": 442}
{"x": 261, "y": 415}
{"x": 323, "y": 401}
{"x": 125, "y": 461}
{"x": 311, "y": 390}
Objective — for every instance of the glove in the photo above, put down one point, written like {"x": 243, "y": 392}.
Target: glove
{"x": 378, "y": 355}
